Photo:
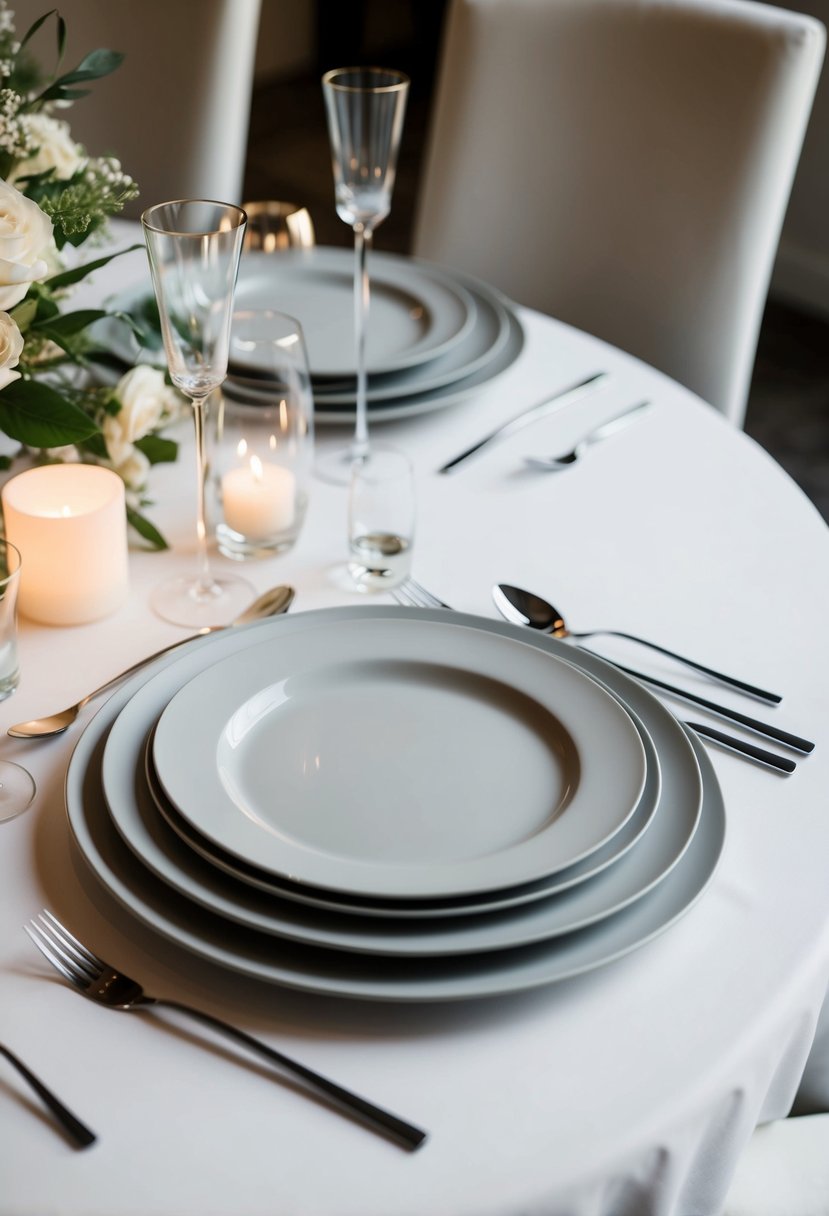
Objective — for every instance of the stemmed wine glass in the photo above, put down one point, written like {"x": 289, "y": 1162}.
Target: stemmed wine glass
{"x": 365, "y": 109}
{"x": 194, "y": 247}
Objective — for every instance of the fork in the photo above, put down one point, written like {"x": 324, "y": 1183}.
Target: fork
{"x": 101, "y": 982}
{"x": 410, "y": 594}
{"x": 71, "y": 1124}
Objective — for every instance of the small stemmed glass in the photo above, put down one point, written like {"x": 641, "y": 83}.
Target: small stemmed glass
{"x": 194, "y": 247}
{"x": 365, "y": 109}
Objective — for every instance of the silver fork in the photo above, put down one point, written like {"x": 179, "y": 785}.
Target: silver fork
{"x": 410, "y": 594}
{"x": 102, "y": 983}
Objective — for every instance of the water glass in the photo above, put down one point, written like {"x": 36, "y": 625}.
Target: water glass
{"x": 264, "y": 441}
{"x": 9, "y": 583}
{"x": 381, "y": 518}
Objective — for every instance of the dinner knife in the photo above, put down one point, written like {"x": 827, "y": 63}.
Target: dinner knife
{"x": 557, "y": 400}
{"x": 721, "y": 711}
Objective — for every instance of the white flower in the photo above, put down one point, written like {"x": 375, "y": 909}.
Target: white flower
{"x": 11, "y": 347}
{"x": 134, "y": 471}
{"x": 25, "y": 232}
{"x": 54, "y": 148}
{"x": 145, "y": 402}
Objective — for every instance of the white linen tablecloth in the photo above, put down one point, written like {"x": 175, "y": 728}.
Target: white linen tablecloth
{"x": 630, "y": 1090}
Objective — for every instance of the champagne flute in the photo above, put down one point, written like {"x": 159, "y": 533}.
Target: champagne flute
{"x": 365, "y": 109}
{"x": 194, "y": 247}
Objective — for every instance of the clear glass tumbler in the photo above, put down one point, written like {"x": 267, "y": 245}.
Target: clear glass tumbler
{"x": 264, "y": 448}
{"x": 381, "y": 519}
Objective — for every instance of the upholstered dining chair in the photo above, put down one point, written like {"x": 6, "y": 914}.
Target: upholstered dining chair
{"x": 623, "y": 165}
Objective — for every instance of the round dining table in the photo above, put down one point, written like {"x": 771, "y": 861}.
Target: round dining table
{"x": 630, "y": 1090}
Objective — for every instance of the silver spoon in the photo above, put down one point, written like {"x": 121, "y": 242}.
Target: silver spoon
{"x": 524, "y": 608}
{"x": 554, "y": 464}
{"x": 271, "y": 603}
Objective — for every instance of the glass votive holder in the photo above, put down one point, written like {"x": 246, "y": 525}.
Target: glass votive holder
{"x": 264, "y": 440}
{"x": 9, "y": 583}
{"x": 273, "y": 226}
{"x": 381, "y": 518}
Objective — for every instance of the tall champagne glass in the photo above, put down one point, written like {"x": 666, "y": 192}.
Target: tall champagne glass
{"x": 365, "y": 109}
{"x": 194, "y": 247}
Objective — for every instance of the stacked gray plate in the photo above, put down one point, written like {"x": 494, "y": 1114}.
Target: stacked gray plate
{"x": 435, "y": 335}
{"x": 395, "y": 804}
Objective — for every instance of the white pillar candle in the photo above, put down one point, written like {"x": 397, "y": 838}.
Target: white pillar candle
{"x": 69, "y": 523}
{"x": 258, "y": 500}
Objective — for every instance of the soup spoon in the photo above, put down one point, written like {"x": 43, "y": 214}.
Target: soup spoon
{"x": 524, "y": 608}
{"x": 271, "y": 603}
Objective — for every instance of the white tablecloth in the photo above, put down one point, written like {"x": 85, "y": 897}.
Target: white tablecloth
{"x": 628, "y": 1090}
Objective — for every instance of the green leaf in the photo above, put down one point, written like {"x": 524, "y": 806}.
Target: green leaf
{"x": 61, "y": 37}
{"x": 67, "y": 277}
{"x": 157, "y": 449}
{"x": 32, "y": 30}
{"x": 93, "y": 66}
{"x": 96, "y": 446}
{"x": 24, "y": 313}
{"x": 68, "y": 323}
{"x": 39, "y": 417}
{"x": 57, "y": 92}
{"x": 145, "y": 529}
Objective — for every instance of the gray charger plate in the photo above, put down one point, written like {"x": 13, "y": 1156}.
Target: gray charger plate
{"x": 338, "y": 973}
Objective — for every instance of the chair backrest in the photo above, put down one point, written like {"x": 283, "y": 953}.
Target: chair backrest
{"x": 623, "y": 165}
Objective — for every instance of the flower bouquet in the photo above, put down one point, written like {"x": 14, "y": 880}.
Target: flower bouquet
{"x": 53, "y": 196}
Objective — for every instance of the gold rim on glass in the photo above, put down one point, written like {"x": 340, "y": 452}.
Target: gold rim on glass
{"x": 240, "y": 216}
{"x": 399, "y": 80}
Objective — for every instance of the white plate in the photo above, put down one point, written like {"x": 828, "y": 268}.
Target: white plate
{"x": 125, "y": 815}
{"x": 135, "y": 812}
{"x": 417, "y": 311}
{"x": 416, "y": 403}
{"x": 332, "y": 973}
{"x": 483, "y": 344}
{"x": 399, "y": 759}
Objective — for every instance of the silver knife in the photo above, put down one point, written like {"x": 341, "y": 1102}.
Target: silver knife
{"x": 562, "y": 397}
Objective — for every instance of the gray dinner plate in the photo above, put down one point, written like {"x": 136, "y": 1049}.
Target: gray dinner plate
{"x": 418, "y": 311}
{"x": 353, "y": 974}
{"x": 349, "y": 759}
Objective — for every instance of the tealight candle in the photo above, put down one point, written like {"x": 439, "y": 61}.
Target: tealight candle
{"x": 69, "y": 522}
{"x": 258, "y": 499}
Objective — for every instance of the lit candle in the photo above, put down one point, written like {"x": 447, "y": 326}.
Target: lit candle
{"x": 258, "y": 500}
{"x": 69, "y": 523}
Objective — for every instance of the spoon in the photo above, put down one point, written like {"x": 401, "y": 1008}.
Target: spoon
{"x": 524, "y": 608}
{"x": 271, "y": 603}
{"x": 554, "y": 464}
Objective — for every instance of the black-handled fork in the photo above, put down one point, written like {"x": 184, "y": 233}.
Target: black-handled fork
{"x": 102, "y": 983}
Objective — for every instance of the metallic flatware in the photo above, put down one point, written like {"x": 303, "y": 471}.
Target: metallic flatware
{"x": 554, "y": 464}
{"x": 70, "y": 1123}
{"x": 410, "y": 594}
{"x": 782, "y": 763}
{"x": 524, "y": 608}
{"x": 102, "y": 983}
{"x": 271, "y": 603}
{"x": 555, "y": 401}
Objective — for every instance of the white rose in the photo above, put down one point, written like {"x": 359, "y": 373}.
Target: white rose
{"x": 144, "y": 399}
{"x": 11, "y": 346}
{"x": 55, "y": 148}
{"x": 25, "y": 233}
{"x": 134, "y": 470}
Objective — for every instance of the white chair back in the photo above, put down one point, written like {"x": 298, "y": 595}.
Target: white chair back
{"x": 623, "y": 165}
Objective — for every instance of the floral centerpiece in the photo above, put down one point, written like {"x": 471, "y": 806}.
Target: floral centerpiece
{"x": 54, "y": 197}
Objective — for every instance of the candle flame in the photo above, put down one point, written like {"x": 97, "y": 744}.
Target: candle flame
{"x": 65, "y": 511}
{"x": 256, "y": 468}
{"x": 241, "y": 448}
